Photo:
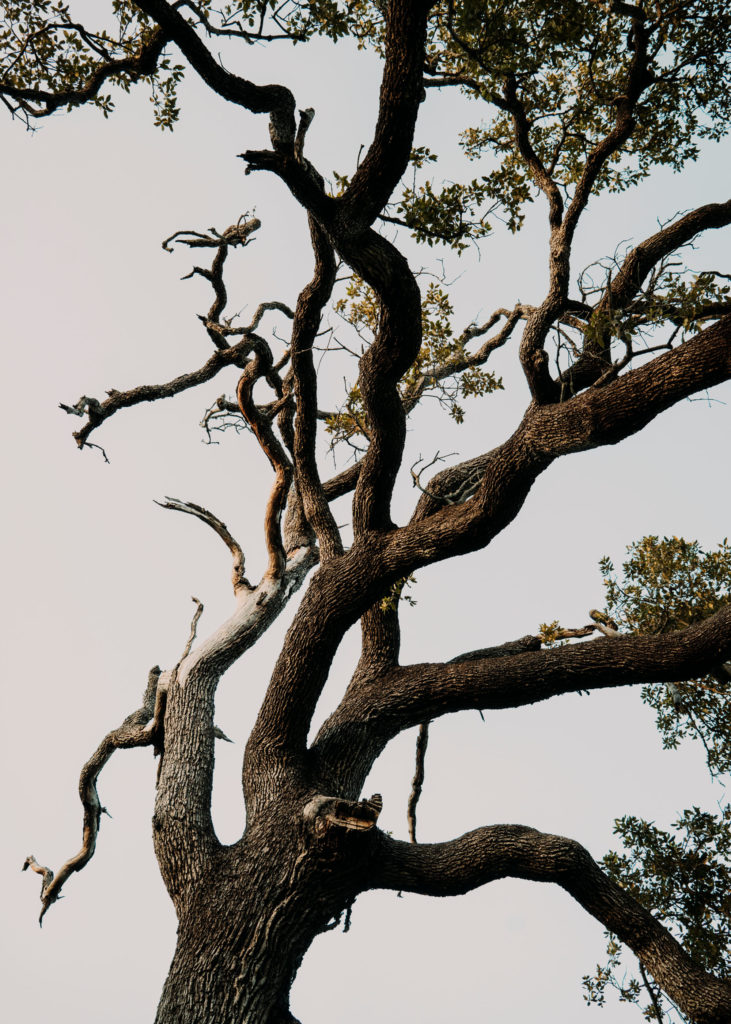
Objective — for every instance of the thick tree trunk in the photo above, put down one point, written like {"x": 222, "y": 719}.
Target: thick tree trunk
{"x": 246, "y": 924}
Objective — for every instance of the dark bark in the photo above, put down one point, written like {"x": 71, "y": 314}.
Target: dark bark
{"x": 501, "y": 851}
{"x": 254, "y": 911}
{"x": 248, "y": 913}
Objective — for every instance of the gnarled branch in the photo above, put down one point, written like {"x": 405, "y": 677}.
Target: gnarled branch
{"x": 131, "y": 733}
{"x": 516, "y": 851}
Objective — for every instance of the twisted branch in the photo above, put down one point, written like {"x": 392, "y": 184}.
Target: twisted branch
{"x": 131, "y": 733}
{"x": 261, "y": 366}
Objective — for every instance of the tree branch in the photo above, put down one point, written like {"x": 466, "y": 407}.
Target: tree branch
{"x": 533, "y": 357}
{"x": 238, "y": 577}
{"x": 182, "y": 825}
{"x": 417, "y": 783}
{"x": 144, "y": 63}
{"x": 304, "y": 331}
{"x": 600, "y": 416}
{"x": 97, "y": 412}
{"x": 131, "y": 733}
{"x": 506, "y": 677}
{"x": 625, "y": 285}
{"x": 596, "y": 417}
{"x": 260, "y": 366}
{"x": 515, "y": 851}
{"x": 401, "y": 93}
{"x": 275, "y": 100}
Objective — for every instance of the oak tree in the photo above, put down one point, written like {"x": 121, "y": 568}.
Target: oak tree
{"x": 562, "y": 102}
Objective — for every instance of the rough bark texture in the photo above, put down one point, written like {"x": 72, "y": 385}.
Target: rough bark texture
{"x": 249, "y": 912}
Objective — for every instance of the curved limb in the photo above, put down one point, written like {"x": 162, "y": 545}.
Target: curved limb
{"x": 261, "y": 366}
{"x": 304, "y": 331}
{"x": 238, "y": 576}
{"x": 144, "y": 62}
{"x": 516, "y": 851}
{"x": 513, "y": 675}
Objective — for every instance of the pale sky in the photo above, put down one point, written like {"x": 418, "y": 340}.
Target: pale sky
{"x": 99, "y": 580}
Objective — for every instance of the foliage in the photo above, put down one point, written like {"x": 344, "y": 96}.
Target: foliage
{"x": 441, "y": 369}
{"x": 43, "y": 48}
{"x": 668, "y": 584}
{"x": 684, "y": 877}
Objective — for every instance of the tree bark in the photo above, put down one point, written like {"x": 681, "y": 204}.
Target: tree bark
{"x": 254, "y": 912}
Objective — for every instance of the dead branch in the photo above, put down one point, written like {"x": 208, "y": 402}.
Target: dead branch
{"x": 131, "y": 733}
{"x": 97, "y": 412}
{"x": 417, "y": 784}
{"x": 238, "y": 577}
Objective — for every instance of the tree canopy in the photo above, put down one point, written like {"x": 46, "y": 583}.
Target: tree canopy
{"x": 560, "y": 104}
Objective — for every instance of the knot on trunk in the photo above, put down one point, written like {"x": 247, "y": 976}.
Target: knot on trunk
{"x": 324, "y": 813}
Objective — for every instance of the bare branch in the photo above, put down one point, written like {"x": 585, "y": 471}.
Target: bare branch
{"x": 238, "y": 577}
{"x": 418, "y": 781}
{"x": 515, "y": 851}
{"x": 260, "y": 366}
{"x": 235, "y": 235}
{"x": 97, "y": 411}
{"x": 275, "y": 100}
{"x": 131, "y": 733}
{"x": 310, "y": 302}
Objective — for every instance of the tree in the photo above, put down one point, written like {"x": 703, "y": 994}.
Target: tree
{"x": 581, "y": 99}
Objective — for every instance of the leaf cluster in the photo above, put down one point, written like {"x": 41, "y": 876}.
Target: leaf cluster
{"x": 43, "y": 50}
{"x": 669, "y": 583}
{"x": 439, "y": 371}
{"x": 684, "y": 877}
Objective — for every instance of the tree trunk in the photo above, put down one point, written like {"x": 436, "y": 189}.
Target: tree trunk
{"x": 247, "y": 923}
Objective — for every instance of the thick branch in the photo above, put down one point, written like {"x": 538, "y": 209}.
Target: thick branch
{"x": 401, "y": 93}
{"x": 596, "y": 417}
{"x": 304, "y": 331}
{"x": 515, "y": 851}
{"x": 182, "y": 826}
{"x": 405, "y": 696}
{"x": 275, "y": 100}
{"x": 343, "y": 590}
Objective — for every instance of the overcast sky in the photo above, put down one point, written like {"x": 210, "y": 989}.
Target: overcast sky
{"x": 98, "y": 580}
